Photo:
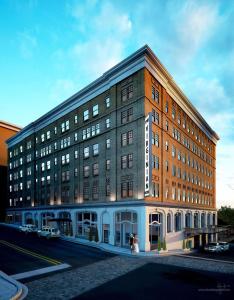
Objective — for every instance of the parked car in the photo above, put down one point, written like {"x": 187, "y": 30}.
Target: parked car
{"x": 28, "y": 228}
{"x": 213, "y": 247}
{"x": 224, "y": 246}
{"x": 48, "y": 232}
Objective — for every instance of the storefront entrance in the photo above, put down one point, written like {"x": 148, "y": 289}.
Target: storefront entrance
{"x": 155, "y": 234}
{"x": 126, "y": 224}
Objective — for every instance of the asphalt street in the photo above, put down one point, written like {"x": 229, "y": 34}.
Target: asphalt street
{"x": 20, "y": 252}
{"x": 157, "y": 281}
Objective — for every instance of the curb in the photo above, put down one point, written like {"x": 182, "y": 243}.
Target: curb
{"x": 21, "y": 290}
{"x": 207, "y": 259}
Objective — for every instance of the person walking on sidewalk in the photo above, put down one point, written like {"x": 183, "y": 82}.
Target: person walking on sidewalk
{"x": 131, "y": 242}
{"x": 136, "y": 244}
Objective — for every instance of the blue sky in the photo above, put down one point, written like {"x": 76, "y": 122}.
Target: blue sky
{"x": 51, "y": 49}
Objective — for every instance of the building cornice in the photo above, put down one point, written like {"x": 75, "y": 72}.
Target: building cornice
{"x": 9, "y": 126}
{"x": 143, "y": 58}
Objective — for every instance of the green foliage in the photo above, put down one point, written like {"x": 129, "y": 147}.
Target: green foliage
{"x": 164, "y": 245}
{"x": 226, "y": 216}
{"x": 159, "y": 245}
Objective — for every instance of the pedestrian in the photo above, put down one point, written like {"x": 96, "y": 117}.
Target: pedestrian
{"x": 136, "y": 244}
{"x": 131, "y": 242}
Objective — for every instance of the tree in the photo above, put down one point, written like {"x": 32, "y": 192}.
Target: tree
{"x": 164, "y": 245}
{"x": 159, "y": 245}
{"x": 226, "y": 216}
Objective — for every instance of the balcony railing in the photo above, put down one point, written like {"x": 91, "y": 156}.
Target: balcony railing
{"x": 189, "y": 231}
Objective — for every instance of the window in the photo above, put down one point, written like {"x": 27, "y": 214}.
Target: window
{"x": 86, "y": 115}
{"x": 155, "y": 191}
{"x": 95, "y": 149}
{"x": 166, "y": 107}
{"x": 108, "y": 164}
{"x": 173, "y": 113}
{"x": 126, "y": 189}
{"x": 43, "y": 166}
{"x": 95, "y": 110}
{"x": 130, "y": 160}
{"x": 65, "y": 176}
{"x": 167, "y": 165}
{"x": 155, "y": 162}
{"x": 173, "y": 151}
{"x": 48, "y": 135}
{"x": 127, "y": 93}
{"x": 86, "y": 152}
{"x": 108, "y": 144}
{"x": 124, "y": 162}
{"x": 126, "y": 115}
{"x": 75, "y": 172}
{"x": 86, "y": 191}
{"x": 155, "y": 94}
{"x": 75, "y": 119}
{"x": 166, "y": 125}
{"x": 166, "y": 146}
{"x": 95, "y": 190}
{"x": 95, "y": 169}
{"x": 48, "y": 165}
{"x": 173, "y": 170}
{"x": 21, "y": 149}
{"x": 155, "y": 116}
{"x": 107, "y": 100}
{"x": 76, "y": 137}
{"x": 155, "y": 139}
{"x": 108, "y": 123}
{"x": 43, "y": 137}
{"x": 76, "y": 154}
{"x": 86, "y": 171}
{"x": 65, "y": 159}
{"x": 127, "y": 138}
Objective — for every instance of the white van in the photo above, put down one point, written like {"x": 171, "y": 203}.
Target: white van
{"x": 48, "y": 232}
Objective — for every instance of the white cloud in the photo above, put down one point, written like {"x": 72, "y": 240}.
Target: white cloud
{"x": 27, "y": 44}
{"x": 104, "y": 46}
{"x": 62, "y": 89}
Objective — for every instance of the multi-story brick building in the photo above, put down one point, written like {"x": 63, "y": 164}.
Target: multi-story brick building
{"x": 127, "y": 154}
{"x": 7, "y": 130}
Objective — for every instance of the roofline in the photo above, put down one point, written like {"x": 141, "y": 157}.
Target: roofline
{"x": 10, "y": 126}
{"x": 143, "y": 57}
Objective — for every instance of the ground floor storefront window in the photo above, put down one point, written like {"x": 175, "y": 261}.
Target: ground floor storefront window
{"x": 125, "y": 224}
{"x": 87, "y": 226}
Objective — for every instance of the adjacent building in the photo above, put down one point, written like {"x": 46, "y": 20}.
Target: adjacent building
{"x": 7, "y": 130}
{"x": 127, "y": 154}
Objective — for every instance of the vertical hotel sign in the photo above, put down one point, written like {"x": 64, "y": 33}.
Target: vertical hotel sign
{"x": 148, "y": 153}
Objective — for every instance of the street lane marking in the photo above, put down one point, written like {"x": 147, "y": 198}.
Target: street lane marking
{"x": 28, "y": 252}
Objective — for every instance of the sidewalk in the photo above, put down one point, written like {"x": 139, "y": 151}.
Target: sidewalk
{"x": 124, "y": 251}
{"x": 11, "y": 289}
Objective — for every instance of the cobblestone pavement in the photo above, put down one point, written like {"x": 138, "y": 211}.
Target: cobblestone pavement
{"x": 77, "y": 281}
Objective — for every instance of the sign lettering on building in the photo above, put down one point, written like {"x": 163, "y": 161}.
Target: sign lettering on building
{"x": 148, "y": 153}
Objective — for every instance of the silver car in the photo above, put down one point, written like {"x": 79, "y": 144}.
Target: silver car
{"x": 213, "y": 247}
{"x": 28, "y": 228}
{"x": 48, "y": 232}
{"x": 224, "y": 246}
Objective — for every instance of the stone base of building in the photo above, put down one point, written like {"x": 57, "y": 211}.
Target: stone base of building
{"x": 153, "y": 225}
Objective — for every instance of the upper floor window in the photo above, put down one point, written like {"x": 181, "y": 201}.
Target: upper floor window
{"x": 127, "y": 93}
{"x": 43, "y": 137}
{"x": 155, "y": 116}
{"x": 173, "y": 113}
{"x": 95, "y": 110}
{"x": 108, "y": 123}
{"x": 127, "y": 138}
{"x": 86, "y": 115}
{"x": 75, "y": 119}
{"x": 108, "y": 143}
{"x": 95, "y": 169}
{"x": 48, "y": 134}
{"x": 65, "y": 126}
{"x": 155, "y": 94}
{"x": 95, "y": 149}
{"x": 65, "y": 159}
{"x": 166, "y": 107}
{"x": 86, "y": 152}
{"x": 126, "y": 115}
{"x": 155, "y": 139}
{"x": 21, "y": 149}
{"x": 107, "y": 100}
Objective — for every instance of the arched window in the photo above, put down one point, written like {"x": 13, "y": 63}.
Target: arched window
{"x": 87, "y": 225}
{"x": 169, "y": 222}
{"x": 214, "y": 219}
{"x": 202, "y": 220}
{"x": 178, "y": 221}
{"x": 195, "y": 220}
{"x": 188, "y": 220}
